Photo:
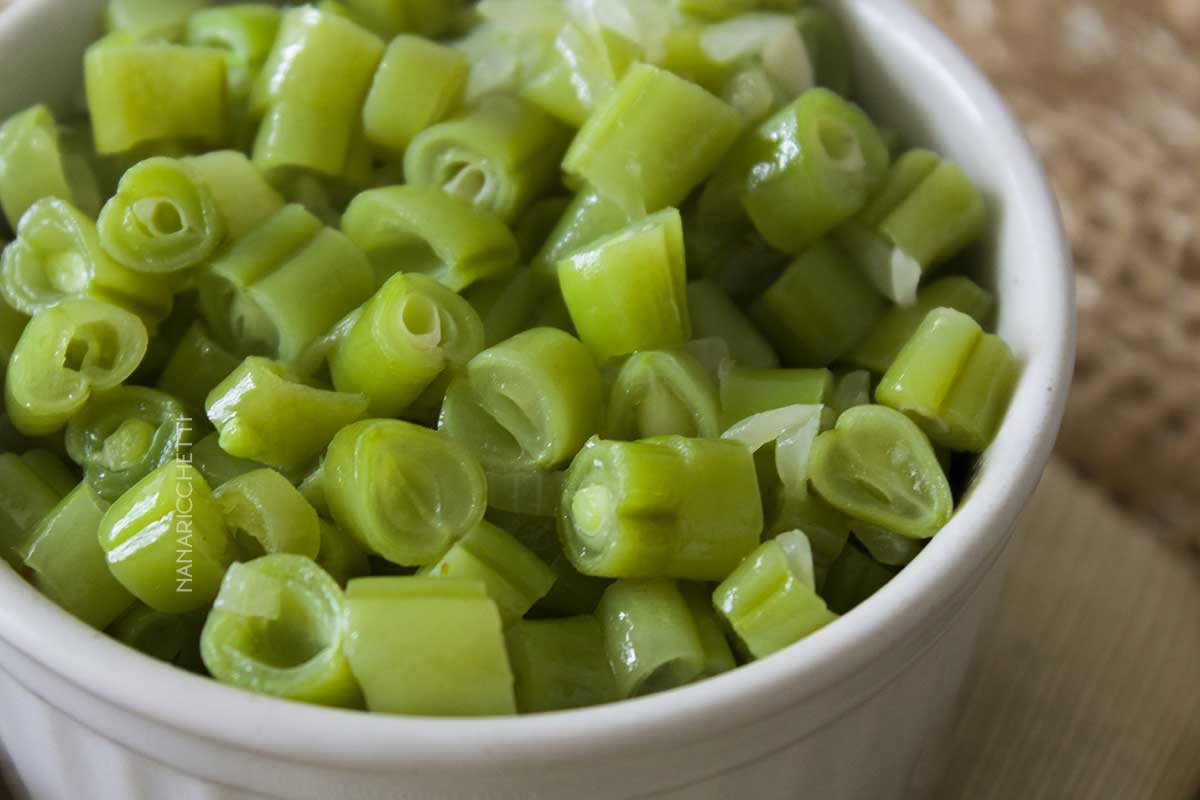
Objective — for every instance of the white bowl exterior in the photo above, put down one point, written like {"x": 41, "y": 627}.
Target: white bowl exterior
{"x": 845, "y": 714}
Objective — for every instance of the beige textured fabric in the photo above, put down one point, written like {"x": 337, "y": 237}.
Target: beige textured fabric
{"x": 1109, "y": 91}
{"x": 1087, "y": 684}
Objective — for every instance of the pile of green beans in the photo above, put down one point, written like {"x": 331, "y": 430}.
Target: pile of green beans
{"x": 474, "y": 358}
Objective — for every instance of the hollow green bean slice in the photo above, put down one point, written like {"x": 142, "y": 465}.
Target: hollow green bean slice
{"x": 500, "y": 155}
{"x": 889, "y": 335}
{"x": 194, "y": 368}
{"x": 404, "y": 492}
{"x": 660, "y": 393}
{"x": 650, "y": 636}
{"x": 768, "y": 601}
{"x": 652, "y": 141}
{"x": 64, "y": 354}
{"x": 819, "y": 308}
{"x": 807, "y": 169}
{"x": 746, "y": 392}
{"x": 514, "y": 576}
{"x": 266, "y": 514}
{"x": 264, "y": 413}
{"x": 559, "y": 664}
{"x": 165, "y": 540}
{"x": 953, "y": 379}
{"x": 423, "y": 229}
{"x": 423, "y": 17}
{"x": 588, "y": 217}
{"x": 244, "y": 32}
{"x": 278, "y": 627}
{"x": 530, "y": 402}
{"x": 889, "y": 549}
{"x": 68, "y": 565}
{"x": 257, "y": 296}
{"x": 146, "y": 93}
{"x": 310, "y": 91}
{"x": 428, "y": 646}
{"x": 217, "y": 466}
{"x": 853, "y": 577}
{"x": 124, "y": 434}
{"x": 171, "y": 638}
{"x": 714, "y": 315}
{"x": 877, "y": 466}
{"x": 35, "y": 162}
{"x": 25, "y": 499}
{"x": 718, "y": 657}
{"x": 408, "y": 334}
{"x": 418, "y": 83}
{"x": 242, "y": 197}
{"x": 627, "y": 291}
{"x": 664, "y": 507}
{"x": 163, "y": 218}
{"x": 340, "y": 555}
{"x": 58, "y": 254}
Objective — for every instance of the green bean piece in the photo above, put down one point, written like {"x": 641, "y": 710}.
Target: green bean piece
{"x": 718, "y": 657}
{"x": 650, "y": 636}
{"x": 423, "y": 17}
{"x": 25, "y": 499}
{"x": 628, "y": 291}
{"x": 953, "y": 379}
{"x": 163, "y": 218}
{"x": 827, "y": 529}
{"x": 312, "y": 486}
{"x": 889, "y": 549}
{"x": 170, "y": 638}
{"x": 194, "y": 368}
{"x": 311, "y": 91}
{"x": 264, "y": 513}
{"x": 279, "y": 627}
{"x": 12, "y": 325}
{"x": 264, "y": 413}
{"x": 578, "y": 70}
{"x": 819, "y": 308}
{"x": 940, "y": 217}
{"x": 715, "y": 316}
{"x": 853, "y": 577}
{"x": 244, "y": 33}
{"x": 52, "y": 470}
{"x": 767, "y": 600}
{"x": 514, "y": 576}
{"x": 257, "y": 296}
{"x": 829, "y": 49}
{"x": 65, "y": 353}
{"x": 418, "y": 83}
{"x": 68, "y": 564}
{"x": 559, "y": 664}
{"x": 424, "y": 230}
{"x": 530, "y": 402}
{"x": 165, "y": 540}
{"x": 340, "y": 555}
{"x": 851, "y": 389}
{"x": 428, "y": 646}
{"x": 412, "y": 330}
{"x": 167, "y": 17}
{"x": 876, "y": 466}
{"x": 243, "y": 198}
{"x": 807, "y": 169}
{"x": 588, "y": 217}
{"x": 217, "y": 466}
{"x": 404, "y": 492}
{"x": 746, "y": 392}
{"x": 660, "y": 393}
{"x": 35, "y": 162}
{"x": 501, "y": 155}
{"x": 146, "y": 93}
{"x": 889, "y": 335}
{"x": 124, "y": 434}
{"x": 632, "y": 153}
{"x": 664, "y": 507}
{"x": 58, "y": 254}
{"x": 508, "y": 304}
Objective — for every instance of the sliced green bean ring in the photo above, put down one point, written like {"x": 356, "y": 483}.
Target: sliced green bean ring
{"x": 266, "y": 514}
{"x": 277, "y": 628}
{"x": 878, "y": 467}
{"x": 659, "y": 393}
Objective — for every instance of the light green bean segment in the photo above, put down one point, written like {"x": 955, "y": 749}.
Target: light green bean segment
{"x": 36, "y": 162}
{"x": 559, "y": 664}
{"x": 660, "y": 393}
{"x": 264, "y": 513}
{"x": 715, "y": 316}
{"x": 418, "y": 83}
{"x": 651, "y": 637}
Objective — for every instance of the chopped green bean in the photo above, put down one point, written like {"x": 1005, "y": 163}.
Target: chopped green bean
{"x": 718, "y": 657}
{"x": 36, "y": 162}
{"x": 52, "y": 470}
{"x": 217, "y": 466}
{"x": 746, "y": 392}
{"x": 827, "y": 529}
{"x": 340, "y": 555}
{"x": 559, "y": 664}
{"x": 660, "y": 393}
{"x": 589, "y": 216}
{"x": 423, "y": 17}
{"x": 853, "y": 577}
{"x": 651, "y": 637}
{"x": 244, "y": 32}
{"x": 714, "y": 315}
{"x": 25, "y": 499}
{"x": 418, "y": 83}
{"x": 194, "y": 368}
{"x": 889, "y": 549}
{"x": 264, "y": 513}
{"x": 242, "y": 197}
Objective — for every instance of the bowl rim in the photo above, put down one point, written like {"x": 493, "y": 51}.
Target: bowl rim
{"x": 287, "y": 731}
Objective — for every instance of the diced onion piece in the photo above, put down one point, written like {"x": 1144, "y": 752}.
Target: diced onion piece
{"x": 786, "y": 60}
{"x": 743, "y": 36}
{"x": 750, "y": 92}
{"x": 791, "y": 455}
{"x": 799, "y": 554}
{"x": 897, "y": 275}
{"x": 761, "y": 429}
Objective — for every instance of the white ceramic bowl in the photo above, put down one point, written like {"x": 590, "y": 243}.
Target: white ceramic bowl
{"x": 844, "y": 714}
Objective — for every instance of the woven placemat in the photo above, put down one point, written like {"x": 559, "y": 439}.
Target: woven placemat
{"x": 1109, "y": 91}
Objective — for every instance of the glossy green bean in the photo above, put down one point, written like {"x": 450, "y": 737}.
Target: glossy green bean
{"x": 217, "y": 466}
{"x": 242, "y": 197}
{"x": 264, "y": 513}
{"x": 650, "y": 636}
{"x": 244, "y": 33}
{"x": 166, "y": 17}
{"x": 660, "y": 393}
{"x": 559, "y": 664}
{"x": 746, "y": 392}
{"x": 36, "y": 162}
{"x": 418, "y": 83}
{"x": 718, "y": 657}
{"x": 424, "y": 17}
{"x": 25, "y": 499}
{"x": 194, "y": 368}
